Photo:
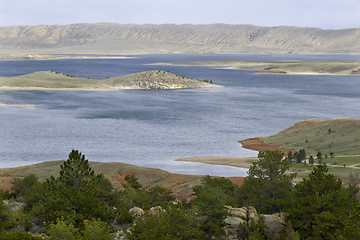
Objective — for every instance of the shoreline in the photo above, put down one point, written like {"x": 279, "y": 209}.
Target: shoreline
{"x": 44, "y": 57}
{"x": 240, "y": 162}
{"x": 286, "y": 67}
{"x": 27, "y": 106}
{"x": 6, "y": 88}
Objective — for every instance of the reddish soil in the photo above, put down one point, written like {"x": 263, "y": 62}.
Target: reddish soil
{"x": 5, "y": 182}
{"x": 180, "y": 184}
{"x": 258, "y": 145}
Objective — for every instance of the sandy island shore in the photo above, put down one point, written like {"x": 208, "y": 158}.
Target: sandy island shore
{"x": 56, "y": 57}
{"x": 28, "y": 106}
{"x": 6, "y": 88}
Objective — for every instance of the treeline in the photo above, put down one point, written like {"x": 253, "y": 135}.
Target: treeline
{"x": 80, "y": 204}
{"x": 299, "y": 157}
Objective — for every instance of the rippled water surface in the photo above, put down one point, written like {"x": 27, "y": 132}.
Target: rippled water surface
{"x": 155, "y": 127}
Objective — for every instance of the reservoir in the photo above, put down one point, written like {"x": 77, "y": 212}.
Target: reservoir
{"x": 152, "y": 128}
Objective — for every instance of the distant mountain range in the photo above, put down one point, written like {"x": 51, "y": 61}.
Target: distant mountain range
{"x": 114, "y": 38}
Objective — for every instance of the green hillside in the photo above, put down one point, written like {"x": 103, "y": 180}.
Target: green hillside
{"x": 340, "y": 136}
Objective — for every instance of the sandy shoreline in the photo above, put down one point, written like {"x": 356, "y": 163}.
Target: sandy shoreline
{"x": 6, "y": 88}
{"x": 56, "y": 57}
{"x": 255, "y": 144}
{"x": 242, "y": 162}
{"x": 27, "y": 106}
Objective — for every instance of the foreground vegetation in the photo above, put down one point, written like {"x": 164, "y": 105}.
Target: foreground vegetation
{"x": 80, "y": 204}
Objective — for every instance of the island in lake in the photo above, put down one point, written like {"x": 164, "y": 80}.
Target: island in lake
{"x": 154, "y": 79}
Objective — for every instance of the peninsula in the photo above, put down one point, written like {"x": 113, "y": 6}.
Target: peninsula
{"x": 154, "y": 79}
{"x": 340, "y": 136}
{"x": 291, "y": 67}
{"x": 333, "y": 142}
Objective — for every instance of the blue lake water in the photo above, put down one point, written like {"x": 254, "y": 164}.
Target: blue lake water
{"x": 154, "y": 127}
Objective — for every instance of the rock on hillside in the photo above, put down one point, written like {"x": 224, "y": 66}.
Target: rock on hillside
{"x": 132, "y": 38}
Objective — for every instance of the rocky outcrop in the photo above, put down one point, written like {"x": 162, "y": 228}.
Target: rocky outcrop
{"x": 239, "y": 218}
{"x": 156, "y": 210}
{"x": 274, "y": 224}
{"x": 155, "y": 79}
{"x": 13, "y": 205}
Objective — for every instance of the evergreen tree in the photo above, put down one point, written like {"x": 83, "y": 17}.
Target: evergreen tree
{"x": 321, "y": 205}
{"x": 267, "y": 186}
{"x": 211, "y": 196}
{"x": 290, "y": 156}
{"x": 77, "y": 194}
{"x": 311, "y": 160}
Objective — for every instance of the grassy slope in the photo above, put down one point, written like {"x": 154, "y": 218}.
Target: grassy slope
{"x": 313, "y": 135}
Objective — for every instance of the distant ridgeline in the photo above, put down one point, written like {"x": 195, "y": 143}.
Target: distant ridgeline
{"x": 154, "y": 79}
{"x": 170, "y": 38}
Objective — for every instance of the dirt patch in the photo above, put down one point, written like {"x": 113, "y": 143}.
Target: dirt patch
{"x": 5, "y": 182}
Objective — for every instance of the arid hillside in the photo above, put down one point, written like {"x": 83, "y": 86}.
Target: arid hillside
{"x": 217, "y": 38}
{"x": 116, "y": 172}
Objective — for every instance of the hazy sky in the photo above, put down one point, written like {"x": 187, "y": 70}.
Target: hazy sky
{"x": 328, "y": 14}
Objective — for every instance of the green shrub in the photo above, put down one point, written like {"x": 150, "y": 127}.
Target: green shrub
{"x": 96, "y": 230}
{"x": 18, "y": 235}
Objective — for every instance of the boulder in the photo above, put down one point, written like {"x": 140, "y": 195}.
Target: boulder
{"x": 156, "y": 210}
{"x": 252, "y": 215}
{"x": 136, "y": 211}
{"x": 239, "y": 212}
{"x": 234, "y": 221}
{"x": 274, "y": 223}
{"x": 13, "y": 205}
